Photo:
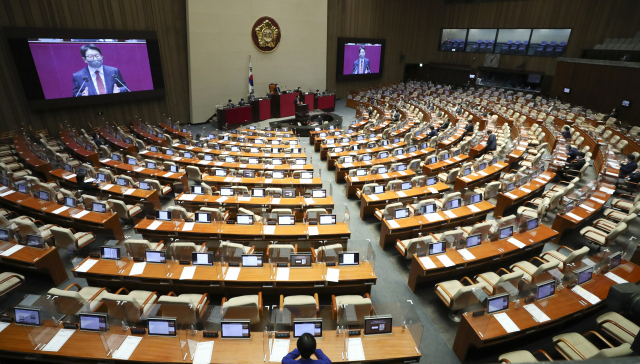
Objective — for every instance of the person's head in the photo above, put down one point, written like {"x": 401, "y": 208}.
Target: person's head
{"x": 251, "y": 92}
{"x": 362, "y": 52}
{"x": 317, "y": 90}
{"x": 91, "y": 55}
{"x": 566, "y": 128}
{"x": 631, "y": 157}
{"x": 489, "y": 132}
{"x": 581, "y": 155}
{"x": 306, "y": 345}
{"x": 229, "y": 100}
{"x": 569, "y": 147}
{"x": 80, "y": 178}
{"x": 241, "y": 99}
{"x": 198, "y": 136}
{"x": 469, "y": 121}
{"x": 431, "y": 127}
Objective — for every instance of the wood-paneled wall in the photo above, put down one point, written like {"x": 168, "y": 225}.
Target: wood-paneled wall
{"x": 412, "y": 29}
{"x": 166, "y": 17}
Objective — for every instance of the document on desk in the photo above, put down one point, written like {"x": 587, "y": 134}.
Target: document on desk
{"x": 313, "y": 230}
{"x": 244, "y": 199}
{"x": 4, "y": 325}
{"x": 309, "y": 201}
{"x": 506, "y": 322}
{"x": 615, "y": 278}
{"x": 393, "y": 224}
{"x": 283, "y": 274}
{"x": 105, "y": 160}
{"x": 403, "y": 173}
{"x": 374, "y": 197}
{"x": 401, "y": 194}
{"x": 169, "y": 174}
{"x": 232, "y": 274}
{"x": 347, "y": 165}
{"x": 590, "y": 209}
{"x": 466, "y": 255}
{"x": 80, "y": 214}
{"x": 268, "y": 180}
{"x": 483, "y": 173}
{"x": 187, "y": 197}
{"x": 154, "y": 225}
{"x": 588, "y": 262}
{"x": 597, "y": 200}
{"x": 63, "y": 208}
{"x": 444, "y": 259}
{"x": 333, "y": 275}
{"x": 574, "y": 216}
{"x": 537, "y": 313}
{"x": 590, "y": 297}
{"x": 465, "y": 179}
{"x": 608, "y": 191}
{"x": 354, "y": 179}
{"x": 450, "y": 214}
{"x": 427, "y": 262}
{"x": 129, "y": 191}
{"x": 516, "y": 242}
{"x": 275, "y": 201}
{"x": 138, "y": 169}
{"x": 107, "y": 186}
{"x": 384, "y": 175}
{"x": 525, "y": 190}
{"x": 222, "y": 199}
{"x": 279, "y": 350}
{"x": 188, "y": 272}
{"x": 11, "y": 250}
{"x": 228, "y": 179}
{"x": 511, "y": 196}
{"x": 127, "y": 348}
{"x": 269, "y": 229}
{"x": 137, "y": 268}
{"x": 86, "y": 265}
{"x": 473, "y": 208}
{"x": 432, "y": 190}
{"x": 355, "y": 351}
{"x": 433, "y": 217}
{"x": 69, "y": 176}
{"x": 306, "y": 180}
{"x": 204, "y": 350}
{"x": 58, "y": 340}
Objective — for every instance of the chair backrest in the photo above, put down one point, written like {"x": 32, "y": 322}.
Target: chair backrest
{"x": 312, "y": 214}
{"x": 483, "y": 228}
{"x": 242, "y": 307}
{"x": 465, "y": 297}
{"x": 577, "y": 255}
{"x": 453, "y": 174}
{"x": 282, "y": 250}
{"x": 491, "y": 190}
{"x": 120, "y": 208}
{"x": 451, "y": 196}
{"x": 513, "y": 278}
{"x": 178, "y": 212}
{"x": 394, "y": 185}
{"x": 193, "y": 173}
{"x": 543, "y": 268}
{"x": 613, "y": 235}
{"x": 182, "y": 308}
{"x": 122, "y": 307}
{"x": 182, "y": 249}
{"x": 390, "y": 208}
{"x": 63, "y": 237}
{"x": 26, "y": 227}
{"x": 67, "y": 302}
{"x": 136, "y": 247}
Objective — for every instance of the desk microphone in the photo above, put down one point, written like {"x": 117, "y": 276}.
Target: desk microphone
{"x": 85, "y": 79}
{"x": 115, "y": 77}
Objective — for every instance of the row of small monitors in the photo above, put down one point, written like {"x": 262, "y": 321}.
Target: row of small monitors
{"x": 209, "y": 157}
{"x": 283, "y": 219}
{"x": 230, "y": 329}
{"x": 260, "y": 192}
{"x": 34, "y": 241}
{"x": 297, "y": 260}
{"x": 547, "y": 289}
{"x": 531, "y": 42}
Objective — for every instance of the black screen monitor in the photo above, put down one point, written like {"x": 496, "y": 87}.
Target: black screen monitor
{"x": 154, "y": 256}
{"x": 249, "y": 173}
{"x": 28, "y": 316}
{"x": 584, "y": 275}
{"x": 202, "y": 258}
{"x": 377, "y": 325}
{"x": 545, "y": 289}
{"x": 615, "y": 260}
{"x": 109, "y": 252}
{"x": 498, "y": 303}
{"x": 312, "y": 326}
{"x": 94, "y": 322}
{"x": 286, "y": 220}
{"x": 532, "y": 224}
{"x": 300, "y": 260}
{"x": 162, "y": 215}
{"x": 162, "y": 326}
{"x": 439, "y": 247}
{"x": 252, "y": 260}
{"x": 474, "y": 240}
{"x": 202, "y": 217}
{"x": 244, "y": 219}
{"x": 236, "y": 329}
{"x": 327, "y": 219}
{"x": 428, "y": 209}
{"x": 506, "y": 232}
{"x": 348, "y": 258}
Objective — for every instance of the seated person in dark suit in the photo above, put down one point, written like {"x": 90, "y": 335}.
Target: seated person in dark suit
{"x": 631, "y": 181}
{"x": 370, "y": 110}
{"x": 630, "y": 166}
{"x": 306, "y": 346}
{"x": 459, "y": 110}
{"x": 432, "y": 132}
{"x": 396, "y": 116}
{"x": 325, "y": 92}
{"x": 297, "y": 101}
{"x": 468, "y": 129}
{"x": 444, "y": 125}
{"x": 85, "y": 186}
{"x": 318, "y": 93}
{"x": 276, "y": 90}
{"x": 230, "y": 104}
{"x": 491, "y": 142}
{"x": 572, "y": 153}
{"x": 241, "y": 103}
{"x": 484, "y": 113}
{"x": 576, "y": 165}
{"x": 566, "y": 133}
{"x": 251, "y": 97}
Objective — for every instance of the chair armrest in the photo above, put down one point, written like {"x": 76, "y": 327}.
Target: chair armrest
{"x": 503, "y": 269}
{"x": 522, "y": 269}
{"x": 172, "y": 294}
{"x": 598, "y": 336}
{"x": 73, "y": 285}
{"x": 147, "y": 300}
{"x": 618, "y": 326}
{"x": 597, "y": 223}
{"x": 573, "y": 348}
{"x": 295, "y": 248}
{"x": 486, "y": 280}
{"x": 98, "y": 293}
{"x": 260, "y": 303}
{"x": 159, "y": 245}
{"x": 627, "y": 196}
{"x": 597, "y": 233}
{"x": 252, "y": 249}
{"x": 538, "y": 258}
{"x": 122, "y": 289}
{"x": 543, "y": 353}
{"x": 445, "y": 291}
{"x": 202, "y": 247}
{"x": 83, "y": 235}
{"x": 398, "y": 241}
{"x": 315, "y": 295}
{"x": 466, "y": 279}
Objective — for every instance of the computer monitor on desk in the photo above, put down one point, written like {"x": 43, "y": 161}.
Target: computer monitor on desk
{"x": 506, "y": 232}
{"x": 545, "y": 289}
{"x": 202, "y": 258}
{"x": 99, "y": 207}
{"x": 300, "y": 260}
{"x": 348, "y": 258}
{"x": 203, "y": 217}
{"x": 312, "y": 326}
{"x": 252, "y": 260}
{"x": 476, "y": 198}
{"x": 257, "y": 192}
{"x": 226, "y": 191}
{"x": 453, "y": 204}
{"x": 109, "y": 252}
{"x": 615, "y": 260}
{"x": 288, "y": 193}
{"x": 173, "y": 169}
{"x": 436, "y": 248}
{"x": 286, "y": 220}
{"x": 94, "y": 322}
{"x": 378, "y": 189}
{"x": 400, "y": 213}
{"x": 162, "y": 215}
{"x": 155, "y": 256}
{"x": 532, "y": 224}
{"x": 197, "y": 190}
{"x": 44, "y": 195}
{"x": 319, "y": 193}
{"x": 31, "y": 316}
{"x": 162, "y": 326}
{"x": 584, "y": 275}
{"x": 378, "y": 325}
{"x": 244, "y": 219}
{"x": 473, "y": 240}
{"x": 497, "y": 303}
{"x": 431, "y": 181}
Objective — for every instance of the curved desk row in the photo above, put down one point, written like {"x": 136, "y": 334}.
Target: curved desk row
{"x": 79, "y": 151}
{"x": 45, "y": 260}
{"x": 194, "y": 202}
{"x": 31, "y": 160}
{"x": 147, "y": 137}
{"x": 342, "y": 170}
{"x": 163, "y": 177}
{"x": 369, "y": 203}
{"x": 117, "y": 143}
{"x": 357, "y": 183}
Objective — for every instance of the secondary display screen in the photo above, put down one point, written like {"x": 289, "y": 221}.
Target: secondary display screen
{"x": 546, "y": 289}
{"x": 244, "y": 219}
{"x": 202, "y": 258}
{"x": 377, "y": 325}
{"x": 497, "y": 304}
{"x": 300, "y": 260}
{"x": 308, "y": 326}
{"x": 4, "y": 234}
{"x": 163, "y": 215}
{"x": 348, "y": 258}
{"x": 532, "y": 224}
{"x": 474, "y": 240}
{"x": 35, "y": 241}
{"x": 252, "y": 260}
{"x": 152, "y": 256}
{"x": 235, "y": 330}
{"x": 327, "y": 219}
{"x": 162, "y": 327}
{"x": 585, "y": 275}
{"x": 437, "y": 248}
{"x": 108, "y": 252}
{"x": 286, "y": 220}
{"x": 616, "y": 260}
{"x": 506, "y": 232}
{"x": 93, "y": 322}
{"x": 28, "y": 316}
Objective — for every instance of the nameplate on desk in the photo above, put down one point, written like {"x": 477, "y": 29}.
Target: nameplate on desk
{"x": 69, "y": 176}
{"x": 525, "y": 190}
{"x": 510, "y": 195}
{"x": 473, "y": 208}
{"x": 354, "y": 332}
{"x": 210, "y": 334}
{"x": 574, "y": 216}
{"x": 138, "y": 331}
{"x": 590, "y": 209}
{"x": 168, "y": 174}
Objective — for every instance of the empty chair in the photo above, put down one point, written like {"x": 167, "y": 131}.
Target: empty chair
{"x": 247, "y": 307}
{"x": 563, "y": 260}
{"x": 243, "y": 211}
{"x": 483, "y": 228}
{"x": 229, "y": 245}
{"x": 618, "y": 327}
{"x": 125, "y": 212}
{"x": 281, "y": 250}
{"x": 532, "y": 272}
{"x": 29, "y": 227}
{"x": 362, "y": 306}
{"x": 184, "y": 249}
{"x": 68, "y": 239}
{"x": 186, "y": 308}
{"x": 193, "y": 173}
{"x": 301, "y": 306}
{"x": 523, "y": 356}
{"x": 9, "y": 281}
{"x": 321, "y": 253}
{"x": 69, "y": 302}
{"x": 179, "y": 212}
{"x": 312, "y": 214}
{"x": 573, "y": 346}
{"x": 131, "y": 307}
{"x": 458, "y": 296}
{"x": 411, "y": 246}
{"x": 450, "y": 177}
{"x": 495, "y": 280}
{"x": 602, "y": 237}
{"x": 388, "y": 212}
{"x": 136, "y": 248}
{"x": 162, "y": 190}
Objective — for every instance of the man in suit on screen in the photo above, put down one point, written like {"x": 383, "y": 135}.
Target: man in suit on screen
{"x": 96, "y": 78}
{"x": 361, "y": 65}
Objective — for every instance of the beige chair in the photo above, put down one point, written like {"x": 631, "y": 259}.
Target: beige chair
{"x": 532, "y": 273}
{"x": 9, "y": 281}
{"x": 132, "y": 307}
{"x": 186, "y": 308}
{"x": 319, "y": 253}
{"x": 230, "y": 245}
{"x": 601, "y": 237}
{"x": 179, "y": 212}
{"x": 573, "y": 346}
{"x": 451, "y": 237}
{"x": 538, "y": 211}
{"x": 109, "y": 177}
{"x": 450, "y": 177}
{"x": 216, "y": 213}
{"x": 607, "y": 225}
{"x": 256, "y": 217}
{"x": 411, "y": 246}
{"x": 619, "y": 216}
{"x": 624, "y": 202}
{"x": 362, "y": 305}
{"x": 162, "y": 190}
{"x": 126, "y": 212}
{"x": 618, "y": 327}
{"x": 523, "y": 356}
{"x": 28, "y": 227}
{"x": 388, "y": 212}
{"x": 136, "y": 248}
{"x": 458, "y": 296}
{"x": 451, "y": 196}
{"x": 184, "y": 249}
{"x": 247, "y": 307}
{"x": 564, "y": 260}
{"x": 193, "y": 173}
{"x": 494, "y": 280}
{"x": 483, "y": 228}
{"x": 301, "y": 306}
{"x": 68, "y": 238}
{"x": 313, "y": 214}
{"x": 282, "y": 250}
{"x": 69, "y": 302}
{"x": 367, "y": 189}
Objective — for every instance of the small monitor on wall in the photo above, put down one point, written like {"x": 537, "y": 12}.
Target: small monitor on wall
{"x": 626, "y": 103}
{"x": 566, "y": 90}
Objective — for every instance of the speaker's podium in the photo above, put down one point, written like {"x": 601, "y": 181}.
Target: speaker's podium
{"x": 302, "y": 113}
{"x": 282, "y": 104}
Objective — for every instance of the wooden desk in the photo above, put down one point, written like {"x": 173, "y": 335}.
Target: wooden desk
{"x": 117, "y": 143}
{"x": 43, "y": 260}
{"x": 298, "y": 184}
{"x": 84, "y": 346}
{"x": 327, "y": 151}
{"x": 563, "y": 306}
{"x": 519, "y": 195}
{"x": 410, "y": 227}
{"x": 354, "y": 183}
{"x": 151, "y": 197}
{"x": 146, "y": 137}
{"x": 195, "y": 202}
{"x": 196, "y": 150}
{"x": 210, "y": 280}
{"x": 342, "y": 170}
{"x": 452, "y": 140}
{"x": 488, "y": 174}
{"x": 107, "y": 223}
{"x": 32, "y": 161}
{"x": 141, "y": 173}
{"x": 517, "y": 154}
{"x": 77, "y": 150}
{"x": 445, "y": 165}
{"x": 489, "y": 256}
{"x": 369, "y": 203}
{"x": 298, "y": 233}
{"x": 581, "y": 213}
{"x": 169, "y": 129}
